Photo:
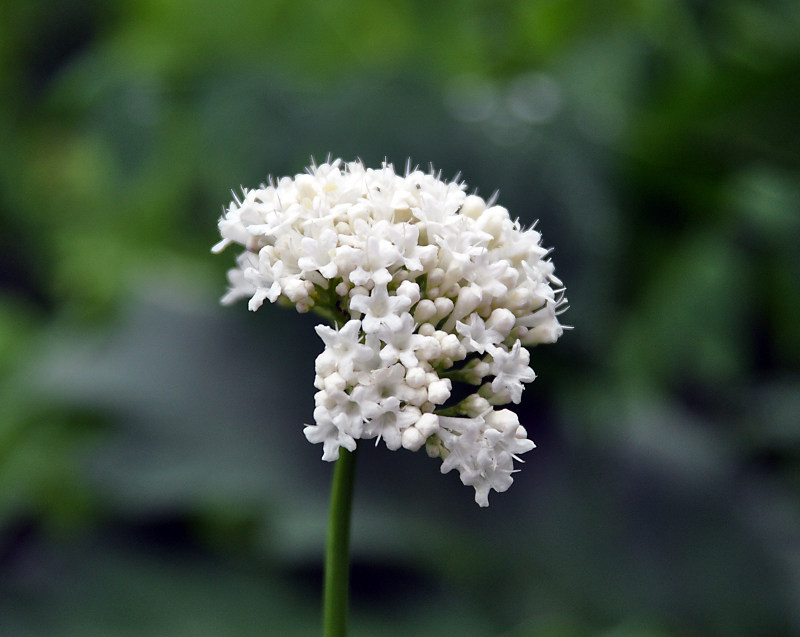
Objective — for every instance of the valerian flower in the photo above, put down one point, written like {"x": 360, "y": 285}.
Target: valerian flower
{"x": 425, "y": 286}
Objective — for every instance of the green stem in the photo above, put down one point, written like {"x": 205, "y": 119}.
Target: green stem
{"x": 337, "y": 558}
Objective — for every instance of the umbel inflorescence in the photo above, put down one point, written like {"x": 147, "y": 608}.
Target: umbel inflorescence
{"x": 424, "y": 287}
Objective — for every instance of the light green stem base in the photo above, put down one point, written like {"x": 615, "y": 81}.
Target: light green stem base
{"x": 337, "y": 557}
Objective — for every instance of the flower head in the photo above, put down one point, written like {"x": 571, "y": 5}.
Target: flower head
{"x": 426, "y": 286}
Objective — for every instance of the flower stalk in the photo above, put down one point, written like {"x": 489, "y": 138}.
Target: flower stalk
{"x": 337, "y": 556}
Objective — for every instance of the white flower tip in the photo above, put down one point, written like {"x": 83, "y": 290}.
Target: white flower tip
{"x": 473, "y": 206}
{"x": 220, "y": 246}
{"x": 439, "y": 391}
{"x": 502, "y": 320}
{"x": 428, "y": 424}
{"x": 330, "y": 454}
{"x": 412, "y": 439}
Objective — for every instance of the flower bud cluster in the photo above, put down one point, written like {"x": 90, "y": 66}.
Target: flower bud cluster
{"x": 426, "y": 287}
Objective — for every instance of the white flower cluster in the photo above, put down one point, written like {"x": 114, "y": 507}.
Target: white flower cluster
{"x": 426, "y": 287}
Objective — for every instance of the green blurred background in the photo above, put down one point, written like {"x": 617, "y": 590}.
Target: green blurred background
{"x": 154, "y": 478}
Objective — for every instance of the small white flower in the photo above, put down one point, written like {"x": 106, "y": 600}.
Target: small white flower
{"x": 425, "y": 285}
{"x": 511, "y": 370}
{"x": 482, "y": 449}
{"x": 401, "y": 344}
{"x": 319, "y": 253}
{"x": 389, "y": 421}
{"x": 343, "y": 347}
{"x": 380, "y": 310}
{"x": 476, "y": 336}
{"x": 379, "y": 254}
{"x": 383, "y": 383}
{"x": 330, "y": 435}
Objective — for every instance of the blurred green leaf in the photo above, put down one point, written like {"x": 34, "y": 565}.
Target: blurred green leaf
{"x": 656, "y": 144}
